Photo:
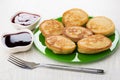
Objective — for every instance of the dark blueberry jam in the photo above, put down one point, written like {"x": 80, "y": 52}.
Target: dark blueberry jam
{"x": 18, "y": 39}
{"x": 25, "y": 19}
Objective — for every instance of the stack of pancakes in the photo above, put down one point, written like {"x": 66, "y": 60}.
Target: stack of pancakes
{"x": 64, "y": 37}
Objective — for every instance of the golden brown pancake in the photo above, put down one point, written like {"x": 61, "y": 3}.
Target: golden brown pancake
{"x": 74, "y": 17}
{"x": 94, "y": 44}
{"x": 76, "y": 33}
{"x": 101, "y": 25}
{"x": 60, "y": 44}
{"x": 51, "y": 27}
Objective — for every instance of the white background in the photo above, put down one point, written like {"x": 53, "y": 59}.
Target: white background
{"x": 48, "y": 9}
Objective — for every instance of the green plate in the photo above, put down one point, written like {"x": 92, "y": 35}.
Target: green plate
{"x": 75, "y": 57}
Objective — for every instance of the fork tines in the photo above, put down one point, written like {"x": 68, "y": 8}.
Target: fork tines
{"x": 16, "y": 61}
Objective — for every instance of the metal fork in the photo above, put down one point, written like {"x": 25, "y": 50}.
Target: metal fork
{"x": 31, "y": 65}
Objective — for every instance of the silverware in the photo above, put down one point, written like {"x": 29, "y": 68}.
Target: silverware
{"x": 31, "y": 65}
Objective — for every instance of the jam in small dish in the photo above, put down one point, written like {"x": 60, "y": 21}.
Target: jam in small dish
{"x": 25, "y": 20}
{"x": 18, "y": 41}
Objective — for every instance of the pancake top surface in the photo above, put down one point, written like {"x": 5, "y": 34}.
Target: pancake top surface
{"x": 60, "y": 42}
{"x": 101, "y": 24}
{"x": 51, "y": 27}
{"x": 95, "y": 42}
{"x": 74, "y": 17}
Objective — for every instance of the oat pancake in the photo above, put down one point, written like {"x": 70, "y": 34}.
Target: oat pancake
{"x": 51, "y": 27}
{"x": 74, "y": 17}
{"x": 76, "y": 33}
{"x": 60, "y": 44}
{"x": 101, "y": 25}
{"x": 94, "y": 44}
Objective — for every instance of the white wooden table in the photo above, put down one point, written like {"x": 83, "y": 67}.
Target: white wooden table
{"x": 52, "y": 9}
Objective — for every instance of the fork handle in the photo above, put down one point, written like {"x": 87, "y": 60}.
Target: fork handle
{"x": 70, "y": 68}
